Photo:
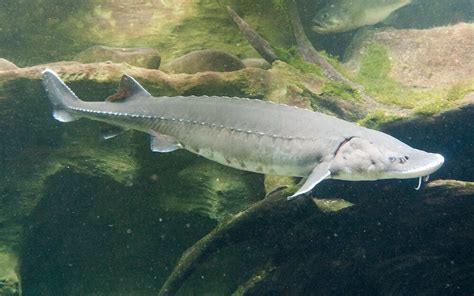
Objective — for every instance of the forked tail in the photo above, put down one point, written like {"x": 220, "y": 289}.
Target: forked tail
{"x": 60, "y": 96}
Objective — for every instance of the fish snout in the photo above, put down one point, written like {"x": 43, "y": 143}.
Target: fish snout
{"x": 438, "y": 163}
{"x": 426, "y": 165}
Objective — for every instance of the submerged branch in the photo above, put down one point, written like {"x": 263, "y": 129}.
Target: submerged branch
{"x": 305, "y": 47}
{"x": 276, "y": 212}
{"x": 231, "y": 231}
{"x": 261, "y": 45}
{"x": 308, "y": 52}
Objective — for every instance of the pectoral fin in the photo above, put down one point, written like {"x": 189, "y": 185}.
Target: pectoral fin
{"x": 318, "y": 174}
{"x": 164, "y": 143}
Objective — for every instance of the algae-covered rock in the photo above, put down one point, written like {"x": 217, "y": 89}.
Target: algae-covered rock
{"x": 282, "y": 84}
{"x": 413, "y": 73}
{"x": 428, "y": 58}
{"x": 140, "y": 57}
{"x": 204, "y": 60}
{"x": 331, "y": 205}
{"x": 6, "y": 65}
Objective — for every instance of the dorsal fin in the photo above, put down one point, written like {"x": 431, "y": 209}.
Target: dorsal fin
{"x": 128, "y": 88}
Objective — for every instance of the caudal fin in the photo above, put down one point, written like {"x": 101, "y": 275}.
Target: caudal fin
{"x": 60, "y": 96}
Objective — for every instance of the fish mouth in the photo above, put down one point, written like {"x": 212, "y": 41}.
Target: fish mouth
{"x": 319, "y": 27}
{"x": 432, "y": 166}
{"x": 325, "y": 28}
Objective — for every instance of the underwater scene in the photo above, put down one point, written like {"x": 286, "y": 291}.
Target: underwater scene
{"x": 236, "y": 147}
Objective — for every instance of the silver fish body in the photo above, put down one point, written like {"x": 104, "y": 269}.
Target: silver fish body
{"x": 251, "y": 135}
{"x": 269, "y": 138}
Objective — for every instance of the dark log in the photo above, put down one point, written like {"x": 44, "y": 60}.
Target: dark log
{"x": 438, "y": 217}
{"x": 269, "y": 210}
{"x": 261, "y": 45}
{"x": 276, "y": 212}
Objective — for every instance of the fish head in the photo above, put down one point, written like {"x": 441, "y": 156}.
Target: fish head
{"x": 332, "y": 18}
{"x": 362, "y": 159}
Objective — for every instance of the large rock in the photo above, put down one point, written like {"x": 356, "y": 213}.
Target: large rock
{"x": 138, "y": 56}
{"x": 204, "y": 60}
{"x": 429, "y": 58}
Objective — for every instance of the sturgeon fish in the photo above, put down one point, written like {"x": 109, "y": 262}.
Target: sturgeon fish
{"x": 251, "y": 135}
{"x": 345, "y": 15}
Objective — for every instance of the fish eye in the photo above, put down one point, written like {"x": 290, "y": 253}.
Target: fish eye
{"x": 392, "y": 158}
{"x": 325, "y": 15}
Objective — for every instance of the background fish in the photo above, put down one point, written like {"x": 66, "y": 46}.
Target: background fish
{"x": 346, "y": 15}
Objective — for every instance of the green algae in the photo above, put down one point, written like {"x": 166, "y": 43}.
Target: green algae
{"x": 435, "y": 101}
{"x": 458, "y": 91}
{"x": 305, "y": 67}
{"x": 330, "y": 88}
{"x": 432, "y": 108}
{"x": 374, "y": 75}
{"x": 379, "y": 117}
{"x": 339, "y": 90}
{"x": 375, "y": 63}
{"x": 332, "y": 205}
{"x": 280, "y": 5}
{"x": 8, "y": 265}
{"x": 291, "y": 57}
